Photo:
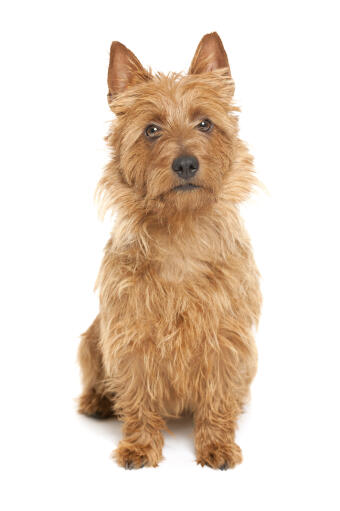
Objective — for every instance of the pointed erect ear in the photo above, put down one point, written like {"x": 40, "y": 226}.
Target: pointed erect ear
{"x": 210, "y": 55}
{"x": 124, "y": 70}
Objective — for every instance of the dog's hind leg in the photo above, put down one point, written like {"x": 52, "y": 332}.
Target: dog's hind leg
{"x": 94, "y": 401}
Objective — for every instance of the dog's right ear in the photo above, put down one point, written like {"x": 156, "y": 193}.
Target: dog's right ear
{"x": 124, "y": 70}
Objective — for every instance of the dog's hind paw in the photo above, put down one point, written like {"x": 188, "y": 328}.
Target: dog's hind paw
{"x": 94, "y": 405}
{"x": 129, "y": 455}
{"x": 221, "y": 456}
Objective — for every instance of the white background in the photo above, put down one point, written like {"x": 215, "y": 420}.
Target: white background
{"x": 284, "y": 58}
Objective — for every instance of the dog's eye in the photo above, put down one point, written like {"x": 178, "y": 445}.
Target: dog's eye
{"x": 153, "y": 131}
{"x": 205, "y": 125}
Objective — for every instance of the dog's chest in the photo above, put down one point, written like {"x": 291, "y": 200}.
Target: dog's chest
{"x": 177, "y": 268}
{"x": 176, "y": 263}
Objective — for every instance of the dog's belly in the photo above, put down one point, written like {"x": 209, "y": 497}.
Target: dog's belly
{"x": 181, "y": 383}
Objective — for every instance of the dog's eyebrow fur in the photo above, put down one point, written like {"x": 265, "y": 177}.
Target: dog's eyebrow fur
{"x": 158, "y": 118}
{"x": 196, "y": 114}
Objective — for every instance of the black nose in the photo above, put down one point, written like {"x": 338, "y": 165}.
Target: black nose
{"x": 185, "y": 166}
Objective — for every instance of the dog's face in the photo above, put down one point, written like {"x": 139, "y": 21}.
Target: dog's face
{"x": 173, "y": 135}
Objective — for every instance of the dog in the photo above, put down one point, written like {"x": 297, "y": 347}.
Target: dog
{"x": 178, "y": 285}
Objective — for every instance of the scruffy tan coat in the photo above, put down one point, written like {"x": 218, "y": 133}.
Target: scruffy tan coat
{"x": 179, "y": 291}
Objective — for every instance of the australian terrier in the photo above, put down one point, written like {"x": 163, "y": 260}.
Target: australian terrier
{"x": 178, "y": 285}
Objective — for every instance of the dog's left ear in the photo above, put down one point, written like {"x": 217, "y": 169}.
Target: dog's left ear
{"x": 210, "y": 55}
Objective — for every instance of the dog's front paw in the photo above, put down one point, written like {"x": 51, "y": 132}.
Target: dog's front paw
{"x": 130, "y": 455}
{"x": 220, "y": 456}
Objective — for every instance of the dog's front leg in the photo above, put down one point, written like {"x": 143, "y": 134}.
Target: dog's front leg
{"x": 142, "y": 431}
{"x": 215, "y": 424}
{"x": 142, "y": 442}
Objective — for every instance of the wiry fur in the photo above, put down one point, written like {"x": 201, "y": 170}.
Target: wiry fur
{"x": 179, "y": 292}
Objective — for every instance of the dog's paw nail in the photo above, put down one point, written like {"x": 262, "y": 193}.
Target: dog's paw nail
{"x": 224, "y": 466}
{"x": 129, "y": 465}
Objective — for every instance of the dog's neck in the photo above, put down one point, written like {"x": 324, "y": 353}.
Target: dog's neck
{"x": 214, "y": 231}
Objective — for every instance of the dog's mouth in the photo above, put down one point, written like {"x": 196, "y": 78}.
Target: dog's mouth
{"x": 187, "y": 186}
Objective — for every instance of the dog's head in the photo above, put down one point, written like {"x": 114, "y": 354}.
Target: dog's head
{"x": 174, "y": 138}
